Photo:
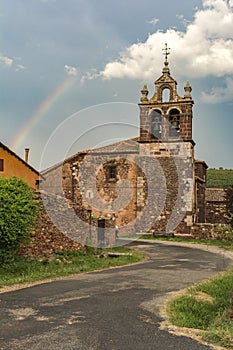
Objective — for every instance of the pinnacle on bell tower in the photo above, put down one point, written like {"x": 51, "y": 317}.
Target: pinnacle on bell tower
{"x": 166, "y": 53}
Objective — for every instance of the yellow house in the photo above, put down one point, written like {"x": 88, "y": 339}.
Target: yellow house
{"x": 12, "y": 165}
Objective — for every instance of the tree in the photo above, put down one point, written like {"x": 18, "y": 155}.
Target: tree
{"x": 18, "y": 215}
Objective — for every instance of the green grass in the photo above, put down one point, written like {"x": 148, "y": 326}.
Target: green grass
{"x": 228, "y": 245}
{"x": 215, "y": 319}
{"x": 219, "y": 178}
{"x": 61, "y": 264}
{"x": 208, "y": 307}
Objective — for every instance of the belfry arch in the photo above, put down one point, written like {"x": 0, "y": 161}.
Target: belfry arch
{"x": 166, "y": 94}
{"x": 174, "y": 122}
{"x": 155, "y": 124}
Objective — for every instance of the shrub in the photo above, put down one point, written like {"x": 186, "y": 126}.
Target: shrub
{"x": 223, "y": 233}
{"x": 18, "y": 215}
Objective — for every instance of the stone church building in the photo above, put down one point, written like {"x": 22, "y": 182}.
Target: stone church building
{"x": 151, "y": 183}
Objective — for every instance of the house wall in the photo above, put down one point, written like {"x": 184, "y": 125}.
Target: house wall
{"x": 53, "y": 182}
{"x": 13, "y": 166}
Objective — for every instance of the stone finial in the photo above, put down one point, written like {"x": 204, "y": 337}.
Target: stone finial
{"x": 166, "y": 53}
{"x": 187, "y": 90}
{"x": 144, "y": 92}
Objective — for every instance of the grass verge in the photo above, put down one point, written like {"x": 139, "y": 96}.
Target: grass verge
{"x": 208, "y": 307}
{"x": 228, "y": 245}
{"x": 62, "y": 263}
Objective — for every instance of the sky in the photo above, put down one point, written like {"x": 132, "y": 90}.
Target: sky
{"x": 71, "y": 72}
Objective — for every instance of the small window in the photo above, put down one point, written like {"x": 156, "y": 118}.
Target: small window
{"x": 112, "y": 172}
{"x": 1, "y": 164}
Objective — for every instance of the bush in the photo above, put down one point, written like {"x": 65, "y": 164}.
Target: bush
{"x": 18, "y": 215}
{"x": 223, "y": 233}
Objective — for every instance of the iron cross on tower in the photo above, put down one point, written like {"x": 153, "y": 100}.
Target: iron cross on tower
{"x": 166, "y": 52}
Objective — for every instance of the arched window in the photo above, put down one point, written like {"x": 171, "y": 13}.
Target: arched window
{"x": 174, "y": 120}
{"x": 112, "y": 172}
{"x": 156, "y": 127}
{"x": 166, "y": 95}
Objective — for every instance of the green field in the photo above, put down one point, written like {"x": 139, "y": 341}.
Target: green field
{"x": 219, "y": 178}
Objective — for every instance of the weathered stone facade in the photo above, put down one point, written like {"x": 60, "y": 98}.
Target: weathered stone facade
{"x": 216, "y": 206}
{"x": 47, "y": 238}
{"x": 146, "y": 184}
{"x": 200, "y": 191}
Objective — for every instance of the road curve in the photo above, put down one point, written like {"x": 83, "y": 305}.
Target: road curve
{"x": 115, "y": 309}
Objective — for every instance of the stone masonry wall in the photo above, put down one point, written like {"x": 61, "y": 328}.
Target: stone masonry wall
{"x": 176, "y": 162}
{"x": 150, "y": 176}
{"x": 144, "y": 195}
{"x": 200, "y": 191}
{"x": 112, "y": 199}
{"x": 216, "y": 206}
{"x": 185, "y": 120}
{"x": 47, "y": 237}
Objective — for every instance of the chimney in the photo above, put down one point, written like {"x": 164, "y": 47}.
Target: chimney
{"x": 26, "y": 154}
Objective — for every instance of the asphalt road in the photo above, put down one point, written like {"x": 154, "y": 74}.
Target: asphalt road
{"x": 116, "y": 309}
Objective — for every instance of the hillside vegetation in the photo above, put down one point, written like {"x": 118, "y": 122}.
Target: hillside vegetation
{"x": 219, "y": 178}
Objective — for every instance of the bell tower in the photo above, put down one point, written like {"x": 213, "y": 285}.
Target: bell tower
{"x": 166, "y": 115}
{"x": 166, "y": 137}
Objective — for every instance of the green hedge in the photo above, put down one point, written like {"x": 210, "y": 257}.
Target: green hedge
{"x": 18, "y": 215}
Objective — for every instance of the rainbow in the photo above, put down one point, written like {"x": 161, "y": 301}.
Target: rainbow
{"x": 41, "y": 111}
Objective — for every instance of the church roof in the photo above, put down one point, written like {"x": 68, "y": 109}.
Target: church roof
{"x": 124, "y": 146}
{"x": 129, "y": 146}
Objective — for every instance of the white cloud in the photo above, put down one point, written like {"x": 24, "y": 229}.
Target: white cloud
{"x": 153, "y": 21}
{"x": 220, "y": 94}
{"x": 205, "y": 47}
{"x": 71, "y": 70}
{"x": 90, "y": 76}
{"x": 11, "y": 63}
{"x": 183, "y": 20}
{"x": 19, "y": 67}
{"x": 6, "y": 60}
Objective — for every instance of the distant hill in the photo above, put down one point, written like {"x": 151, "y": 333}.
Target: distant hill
{"x": 219, "y": 178}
